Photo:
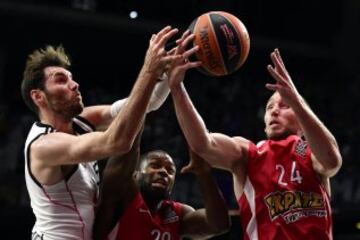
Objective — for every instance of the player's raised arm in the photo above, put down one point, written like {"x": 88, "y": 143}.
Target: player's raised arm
{"x": 326, "y": 154}
{"x": 119, "y": 136}
{"x": 220, "y": 150}
{"x": 214, "y": 218}
{"x": 117, "y": 190}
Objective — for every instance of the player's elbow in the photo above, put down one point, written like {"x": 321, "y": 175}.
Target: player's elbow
{"x": 121, "y": 146}
{"x": 330, "y": 164}
{"x": 125, "y": 146}
{"x": 334, "y": 163}
{"x": 197, "y": 148}
{"x": 202, "y": 146}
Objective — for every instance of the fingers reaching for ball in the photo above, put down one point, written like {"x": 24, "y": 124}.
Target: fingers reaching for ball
{"x": 283, "y": 82}
{"x": 157, "y": 58}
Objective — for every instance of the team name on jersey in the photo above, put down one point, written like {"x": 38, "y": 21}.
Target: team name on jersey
{"x": 293, "y": 205}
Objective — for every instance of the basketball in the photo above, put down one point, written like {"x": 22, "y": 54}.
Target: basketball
{"x": 223, "y": 42}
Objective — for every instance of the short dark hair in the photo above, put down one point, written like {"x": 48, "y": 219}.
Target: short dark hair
{"x": 144, "y": 157}
{"x": 36, "y": 62}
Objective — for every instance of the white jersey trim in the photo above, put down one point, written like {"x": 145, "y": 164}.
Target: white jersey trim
{"x": 83, "y": 125}
{"x": 251, "y": 228}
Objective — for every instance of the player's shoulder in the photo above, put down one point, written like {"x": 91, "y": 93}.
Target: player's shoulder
{"x": 184, "y": 207}
{"x": 38, "y": 129}
{"x": 38, "y": 134}
{"x": 261, "y": 143}
{"x": 242, "y": 142}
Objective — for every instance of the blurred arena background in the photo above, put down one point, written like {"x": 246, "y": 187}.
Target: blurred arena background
{"x": 319, "y": 43}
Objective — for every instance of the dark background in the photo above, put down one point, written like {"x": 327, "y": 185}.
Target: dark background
{"x": 319, "y": 44}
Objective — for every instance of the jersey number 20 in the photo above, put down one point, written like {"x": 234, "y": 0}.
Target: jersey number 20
{"x": 160, "y": 235}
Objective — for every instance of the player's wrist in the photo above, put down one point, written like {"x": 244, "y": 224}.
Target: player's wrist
{"x": 176, "y": 88}
{"x": 151, "y": 74}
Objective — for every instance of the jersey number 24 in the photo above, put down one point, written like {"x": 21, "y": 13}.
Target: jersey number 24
{"x": 294, "y": 176}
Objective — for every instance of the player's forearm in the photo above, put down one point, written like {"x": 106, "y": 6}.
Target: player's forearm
{"x": 128, "y": 121}
{"x": 121, "y": 168}
{"x": 158, "y": 97}
{"x": 215, "y": 207}
{"x": 103, "y": 222}
{"x": 322, "y": 143}
{"x": 189, "y": 120}
{"x": 116, "y": 189}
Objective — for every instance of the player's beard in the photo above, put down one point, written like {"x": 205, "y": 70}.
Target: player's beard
{"x": 66, "y": 109}
{"x": 149, "y": 193}
{"x": 282, "y": 135}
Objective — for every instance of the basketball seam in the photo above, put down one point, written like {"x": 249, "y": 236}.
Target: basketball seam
{"x": 240, "y": 39}
{"x": 206, "y": 71}
{"x": 217, "y": 44}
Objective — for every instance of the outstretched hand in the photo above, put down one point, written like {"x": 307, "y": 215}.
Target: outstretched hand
{"x": 180, "y": 65}
{"x": 157, "y": 58}
{"x": 284, "y": 84}
{"x": 197, "y": 165}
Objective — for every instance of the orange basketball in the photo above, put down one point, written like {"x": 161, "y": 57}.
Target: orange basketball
{"x": 223, "y": 42}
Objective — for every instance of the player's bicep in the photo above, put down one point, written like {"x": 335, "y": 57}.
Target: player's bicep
{"x": 118, "y": 176}
{"x": 194, "y": 223}
{"x": 225, "y": 151}
{"x": 52, "y": 149}
{"x": 60, "y": 148}
{"x": 109, "y": 210}
{"x": 116, "y": 193}
{"x": 118, "y": 182}
{"x": 320, "y": 169}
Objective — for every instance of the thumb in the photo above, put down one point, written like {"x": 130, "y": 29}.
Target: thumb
{"x": 186, "y": 169}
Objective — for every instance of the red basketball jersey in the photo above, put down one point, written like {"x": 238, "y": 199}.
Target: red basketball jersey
{"x": 138, "y": 224}
{"x": 283, "y": 197}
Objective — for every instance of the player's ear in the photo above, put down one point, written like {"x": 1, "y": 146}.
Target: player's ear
{"x": 37, "y": 96}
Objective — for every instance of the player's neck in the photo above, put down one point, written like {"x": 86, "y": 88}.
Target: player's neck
{"x": 153, "y": 201}
{"x": 154, "y": 206}
{"x": 59, "y": 123}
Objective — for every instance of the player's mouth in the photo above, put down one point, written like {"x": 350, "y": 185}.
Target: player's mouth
{"x": 274, "y": 123}
{"x": 160, "y": 182}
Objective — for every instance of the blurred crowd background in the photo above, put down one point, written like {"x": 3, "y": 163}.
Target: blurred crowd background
{"x": 107, "y": 41}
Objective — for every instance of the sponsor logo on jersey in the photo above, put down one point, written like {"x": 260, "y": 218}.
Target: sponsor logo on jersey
{"x": 294, "y": 205}
{"x": 170, "y": 216}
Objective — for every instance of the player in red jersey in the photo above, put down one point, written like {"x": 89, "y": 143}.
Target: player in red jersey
{"x": 139, "y": 207}
{"x": 282, "y": 184}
